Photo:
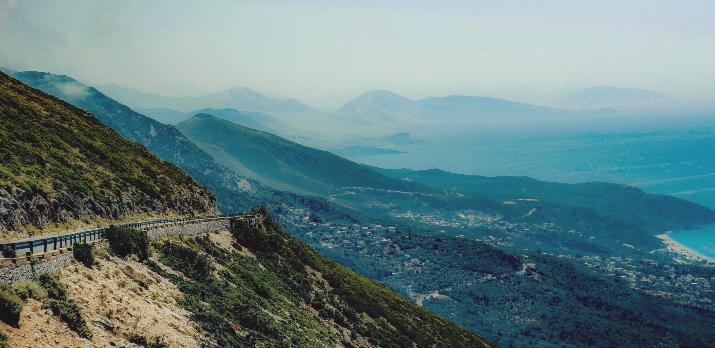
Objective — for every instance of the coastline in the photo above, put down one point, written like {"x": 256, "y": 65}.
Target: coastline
{"x": 691, "y": 255}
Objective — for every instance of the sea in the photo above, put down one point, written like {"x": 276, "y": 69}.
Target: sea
{"x": 675, "y": 157}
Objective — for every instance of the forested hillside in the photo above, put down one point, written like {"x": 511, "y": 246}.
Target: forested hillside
{"x": 60, "y": 164}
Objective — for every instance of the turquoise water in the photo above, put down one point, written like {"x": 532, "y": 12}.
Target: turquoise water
{"x": 701, "y": 240}
{"x": 677, "y": 159}
{"x": 674, "y": 161}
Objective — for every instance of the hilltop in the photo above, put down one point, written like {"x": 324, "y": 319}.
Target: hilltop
{"x": 60, "y": 164}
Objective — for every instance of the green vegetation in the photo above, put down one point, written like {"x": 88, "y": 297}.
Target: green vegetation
{"x": 8, "y": 253}
{"x": 62, "y": 306}
{"x": 10, "y": 307}
{"x": 193, "y": 264}
{"x": 64, "y": 155}
{"x": 3, "y": 340}
{"x": 26, "y": 289}
{"x": 83, "y": 253}
{"x": 125, "y": 241}
{"x": 524, "y": 299}
{"x": 291, "y": 296}
{"x": 140, "y": 340}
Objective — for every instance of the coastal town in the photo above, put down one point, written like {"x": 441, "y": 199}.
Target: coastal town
{"x": 688, "y": 279}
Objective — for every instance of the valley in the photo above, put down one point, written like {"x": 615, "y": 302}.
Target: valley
{"x": 470, "y": 248}
{"x": 357, "y": 174}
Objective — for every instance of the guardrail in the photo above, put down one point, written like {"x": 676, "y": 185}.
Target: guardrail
{"x": 69, "y": 239}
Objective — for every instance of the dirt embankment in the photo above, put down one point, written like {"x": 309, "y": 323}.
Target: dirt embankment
{"x": 119, "y": 299}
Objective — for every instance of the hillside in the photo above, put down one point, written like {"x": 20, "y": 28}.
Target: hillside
{"x": 251, "y": 286}
{"x": 249, "y": 119}
{"x": 233, "y": 192}
{"x": 163, "y": 115}
{"x": 530, "y": 299}
{"x": 280, "y": 163}
{"x": 625, "y": 203}
{"x": 60, "y": 164}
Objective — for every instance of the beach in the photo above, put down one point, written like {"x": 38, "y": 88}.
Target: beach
{"x": 688, "y": 254}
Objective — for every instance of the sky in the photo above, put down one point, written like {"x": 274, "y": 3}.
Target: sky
{"x": 326, "y": 52}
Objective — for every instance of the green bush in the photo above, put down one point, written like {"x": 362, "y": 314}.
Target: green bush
{"x": 186, "y": 260}
{"x": 3, "y": 340}
{"x": 140, "y": 340}
{"x": 10, "y": 307}
{"x": 55, "y": 289}
{"x": 62, "y": 306}
{"x": 83, "y": 253}
{"x": 125, "y": 241}
{"x": 8, "y": 253}
{"x": 26, "y": 289}
{"x": 68, "y": 312}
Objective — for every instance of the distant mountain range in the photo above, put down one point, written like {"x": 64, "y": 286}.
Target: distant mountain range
{"x": 290, "y": 111}
{"x": 255, "y": 120}
{"x": 384, "y": 106}
{"x": 379, "y": 112}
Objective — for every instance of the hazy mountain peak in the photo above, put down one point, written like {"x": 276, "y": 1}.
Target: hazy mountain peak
{"x": 377, "y": 106}
{"x": 383, "y": 95}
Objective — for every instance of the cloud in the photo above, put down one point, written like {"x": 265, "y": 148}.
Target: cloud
{"x": 73, "y": 89}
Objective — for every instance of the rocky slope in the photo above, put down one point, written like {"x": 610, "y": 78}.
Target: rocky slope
{"x": 59, "y": 164}
{"x": 251, "y": 286}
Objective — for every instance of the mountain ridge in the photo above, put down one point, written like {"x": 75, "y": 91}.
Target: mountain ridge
{"x": 167, "y": 142}
{"x": 272, "y": 159}
{"x": 77, "y": 167}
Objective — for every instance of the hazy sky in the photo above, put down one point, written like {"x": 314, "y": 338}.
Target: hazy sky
{"x": 326, "y": 51}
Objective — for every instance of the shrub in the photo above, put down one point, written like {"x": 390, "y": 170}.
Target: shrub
{"x": 83, "y": 253}
{"x": 55, "y": 289}
{"x": 10, "y": 307}
{"x": 3, "y": 340}
{"x": 8, "y": 253}
{"x": 26, "y": 289}
{"x": 62, "y": 306}
{"x": 186, "y": 260}
{"x": 140, "y": 340}
{"x": 68, "y": 312}
{"x": 125, "y": 241}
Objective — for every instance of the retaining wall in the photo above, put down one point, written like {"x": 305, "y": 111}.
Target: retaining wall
{"x": 24, "y": 268}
